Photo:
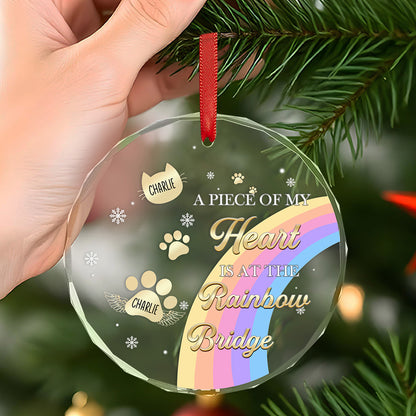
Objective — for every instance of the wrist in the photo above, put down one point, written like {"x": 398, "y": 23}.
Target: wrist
{"x": 23, "y": 256}
{"x": 30, "y": 241}
{"x": 11, "y": 262}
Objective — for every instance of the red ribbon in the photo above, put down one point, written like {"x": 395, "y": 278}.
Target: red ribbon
{"x": 208, "y": 85}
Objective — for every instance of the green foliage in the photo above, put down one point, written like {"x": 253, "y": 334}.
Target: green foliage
{"x": 346, "y": 66}
{"x": 387, "y": 387}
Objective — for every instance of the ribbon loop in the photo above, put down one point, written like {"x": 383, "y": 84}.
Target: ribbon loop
{"x": 208, "y": 85}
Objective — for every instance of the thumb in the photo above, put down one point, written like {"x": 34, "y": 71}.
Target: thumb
{"x": 139, "y": 29}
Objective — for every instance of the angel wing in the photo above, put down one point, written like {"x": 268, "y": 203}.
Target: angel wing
{"x": 116, "y": 302}
{"x": 170, "y": 318}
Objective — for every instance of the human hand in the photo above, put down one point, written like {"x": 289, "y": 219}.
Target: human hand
{"x": 68, "y": 83}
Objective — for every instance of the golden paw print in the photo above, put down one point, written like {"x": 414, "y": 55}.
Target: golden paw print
{"x": 252, "y": 190}
{"x": 176, "y": 244}
{"x": 147, "y": 302}
{"x": 237, "y": 178}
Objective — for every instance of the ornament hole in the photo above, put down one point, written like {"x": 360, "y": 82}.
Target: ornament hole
{"x": 207, "y": 142}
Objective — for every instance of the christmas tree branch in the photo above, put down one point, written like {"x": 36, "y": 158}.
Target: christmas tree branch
{"x": 330, "y": 34}
{"x": 385, "y": 387}
{"x": 345, "y": 66}
{"x": 348, "y": 103}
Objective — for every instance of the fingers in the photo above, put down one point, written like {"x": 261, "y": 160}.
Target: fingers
{"x": 106, "y": 5}
{"x": 139, "y": 29}
{"x": 85, "y": 16}
{"x": 82, "y": 16}
{"x": 151, "y": 88}
{"x": 31, "y": 28}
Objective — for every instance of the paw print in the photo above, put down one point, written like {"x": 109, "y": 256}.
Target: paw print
{"x": 237, "y": 178}
{"x": 252, "y": 190}
{"x": 176, "y": 244}
{"x": 147, "y": 302}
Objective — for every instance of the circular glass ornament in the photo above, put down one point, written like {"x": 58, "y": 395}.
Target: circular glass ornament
{"x": 212, "y": 268}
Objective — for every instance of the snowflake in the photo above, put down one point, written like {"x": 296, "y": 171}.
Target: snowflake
{"x": 91, "y": 258}
{"x": 187, "y": 220}
{"x": 118, "y": 215}
{"x": 290, "y": 182}
{"x": 300, "y": 311}
{"x": 184, "y": 305}
{"x": 132, "y": 343}
{"x": 210, "y": 175}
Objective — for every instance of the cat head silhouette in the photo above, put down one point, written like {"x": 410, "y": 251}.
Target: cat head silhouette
{"x": 162, "y": 187}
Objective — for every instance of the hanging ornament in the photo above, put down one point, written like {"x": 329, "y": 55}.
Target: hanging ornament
{"x": 224, "y": 266}
{"x": 406, "y": 201}
{"x": 83, "y": 406}
{"x": 195, "y": 410}
{"x": 207, "y": 405}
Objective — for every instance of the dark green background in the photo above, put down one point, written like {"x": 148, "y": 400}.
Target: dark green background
{"x": 46, "y": 356}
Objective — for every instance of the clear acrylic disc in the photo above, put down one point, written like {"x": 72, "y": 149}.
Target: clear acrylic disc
{"x": 212, "y": 268}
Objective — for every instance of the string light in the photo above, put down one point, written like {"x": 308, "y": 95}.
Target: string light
{"x": 351, "y": 303}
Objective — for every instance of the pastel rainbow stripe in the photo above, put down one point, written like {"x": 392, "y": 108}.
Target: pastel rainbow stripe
{"x": 220, "y": 369}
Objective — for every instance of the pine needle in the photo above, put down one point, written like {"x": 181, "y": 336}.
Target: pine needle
{"x": 386, "y": 386}
{"x": 345, "y": 66}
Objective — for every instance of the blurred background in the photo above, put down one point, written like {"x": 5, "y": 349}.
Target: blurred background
{"x": 46, "y": 356}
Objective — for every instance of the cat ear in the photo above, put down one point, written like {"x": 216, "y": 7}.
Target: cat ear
{"x": 145, "y": 179}
{"x": 169, "y": 167}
